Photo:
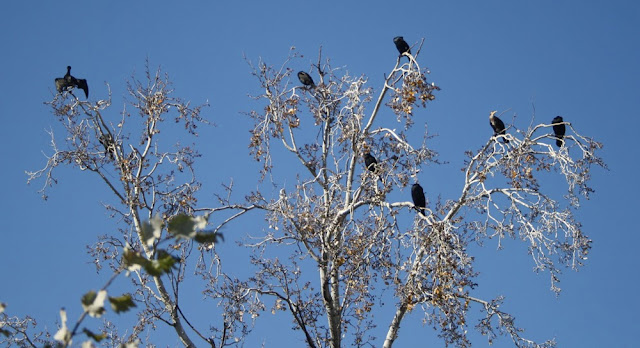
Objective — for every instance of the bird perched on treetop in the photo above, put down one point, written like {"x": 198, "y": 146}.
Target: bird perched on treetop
{"x": 305, "y": 79}
{"x": 497, "y": 125}
{"x": 68, "y": 81}
{"x": 559, "y": 130}
{"x": 417, "y": 194}
{"x": 401, "y": 45}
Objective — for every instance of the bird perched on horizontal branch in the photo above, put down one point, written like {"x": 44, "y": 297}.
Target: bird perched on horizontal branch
{"x": 68, "y": 81}
{"x": 417, "y": 194}
{"x": 559, "y": 129}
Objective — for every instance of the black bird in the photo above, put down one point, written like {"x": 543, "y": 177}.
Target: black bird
{"x": 401, "y": 45}
{"x": 417, "y": 194}
{"x": 370, "y": 162}
{"x": 68, "y": 81}
{"x": 497, "y": 125}
{"x": 305, "y": 79}
{"x": 559, "y": 130}
{"x": 109, "y": 146}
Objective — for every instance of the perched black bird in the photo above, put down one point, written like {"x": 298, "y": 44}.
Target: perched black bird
{"x": 305, "y": 79}
{"x": 68, "y": 81}
{"x": 109, "y": 146}
{"x": 559, "y": 130}
{"x": 497, "y": 125}
{"x": 417, "y": 194}
{"x": 401, "y": 45}
{"x": 370, "y": 162}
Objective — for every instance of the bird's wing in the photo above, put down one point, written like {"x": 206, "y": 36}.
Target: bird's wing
{"x": 60, "y": 84}
{"x": 82, "y": 84}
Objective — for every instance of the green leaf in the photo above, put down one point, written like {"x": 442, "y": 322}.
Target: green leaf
{"x": 122, "y": 303}
{"x": 6, "y": 333}
{"x": 63, "y": 335}
{"x": 87, "y": 344}
{"x": 204, "y": 238}
{"x": 185, "y": 226}
{"x": 134, "y": 344}
{"x": 132, "y": 260}
{"x": 88, "y": 298}
{"x": 93, "y": 303}
{"x": 95, "y": 337}
{"x": 162, "y": 264}
{"x": 165, "y": 261}
{"x": 151, "y": 230}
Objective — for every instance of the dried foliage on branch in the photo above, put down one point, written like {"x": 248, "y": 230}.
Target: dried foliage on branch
{"x": 337, "y": 218}
{"x": 338, "y": 242}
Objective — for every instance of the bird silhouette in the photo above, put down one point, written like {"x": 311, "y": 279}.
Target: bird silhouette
{"x": 370, "y": 162}
{"x": 305, "y": 79}
{"x": 68, "y": 81}
{"x": 497, "y": 125}
{"x": 109, "y": 146}
{"x": 417, "y": 194}
{"x": 559, "y": 130}
{"x": 401, "y": 45}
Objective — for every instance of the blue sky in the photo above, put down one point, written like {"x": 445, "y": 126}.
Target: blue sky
{"x": 576, "y": 59}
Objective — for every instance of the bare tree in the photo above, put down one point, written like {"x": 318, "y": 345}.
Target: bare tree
{"x": 155, "y": 199}
{"x": 337, "y": 218}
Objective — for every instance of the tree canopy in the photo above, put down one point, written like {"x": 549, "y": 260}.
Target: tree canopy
{"x": 340, "y": 242}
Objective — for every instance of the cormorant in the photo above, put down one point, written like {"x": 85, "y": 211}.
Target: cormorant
{"x": 559, "y": 130}
{"x": 401, "y": 45}
{"x": 109, "y": 146}
{"x": 64, "y": 83}
{"x": 305, "y": 79}
{"x": 497, "y": 125}
{"x": 370, "y": 162}
{"x": 417, "y": 194}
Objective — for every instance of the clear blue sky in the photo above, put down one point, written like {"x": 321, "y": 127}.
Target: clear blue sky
{"x": 576, "y": 59}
